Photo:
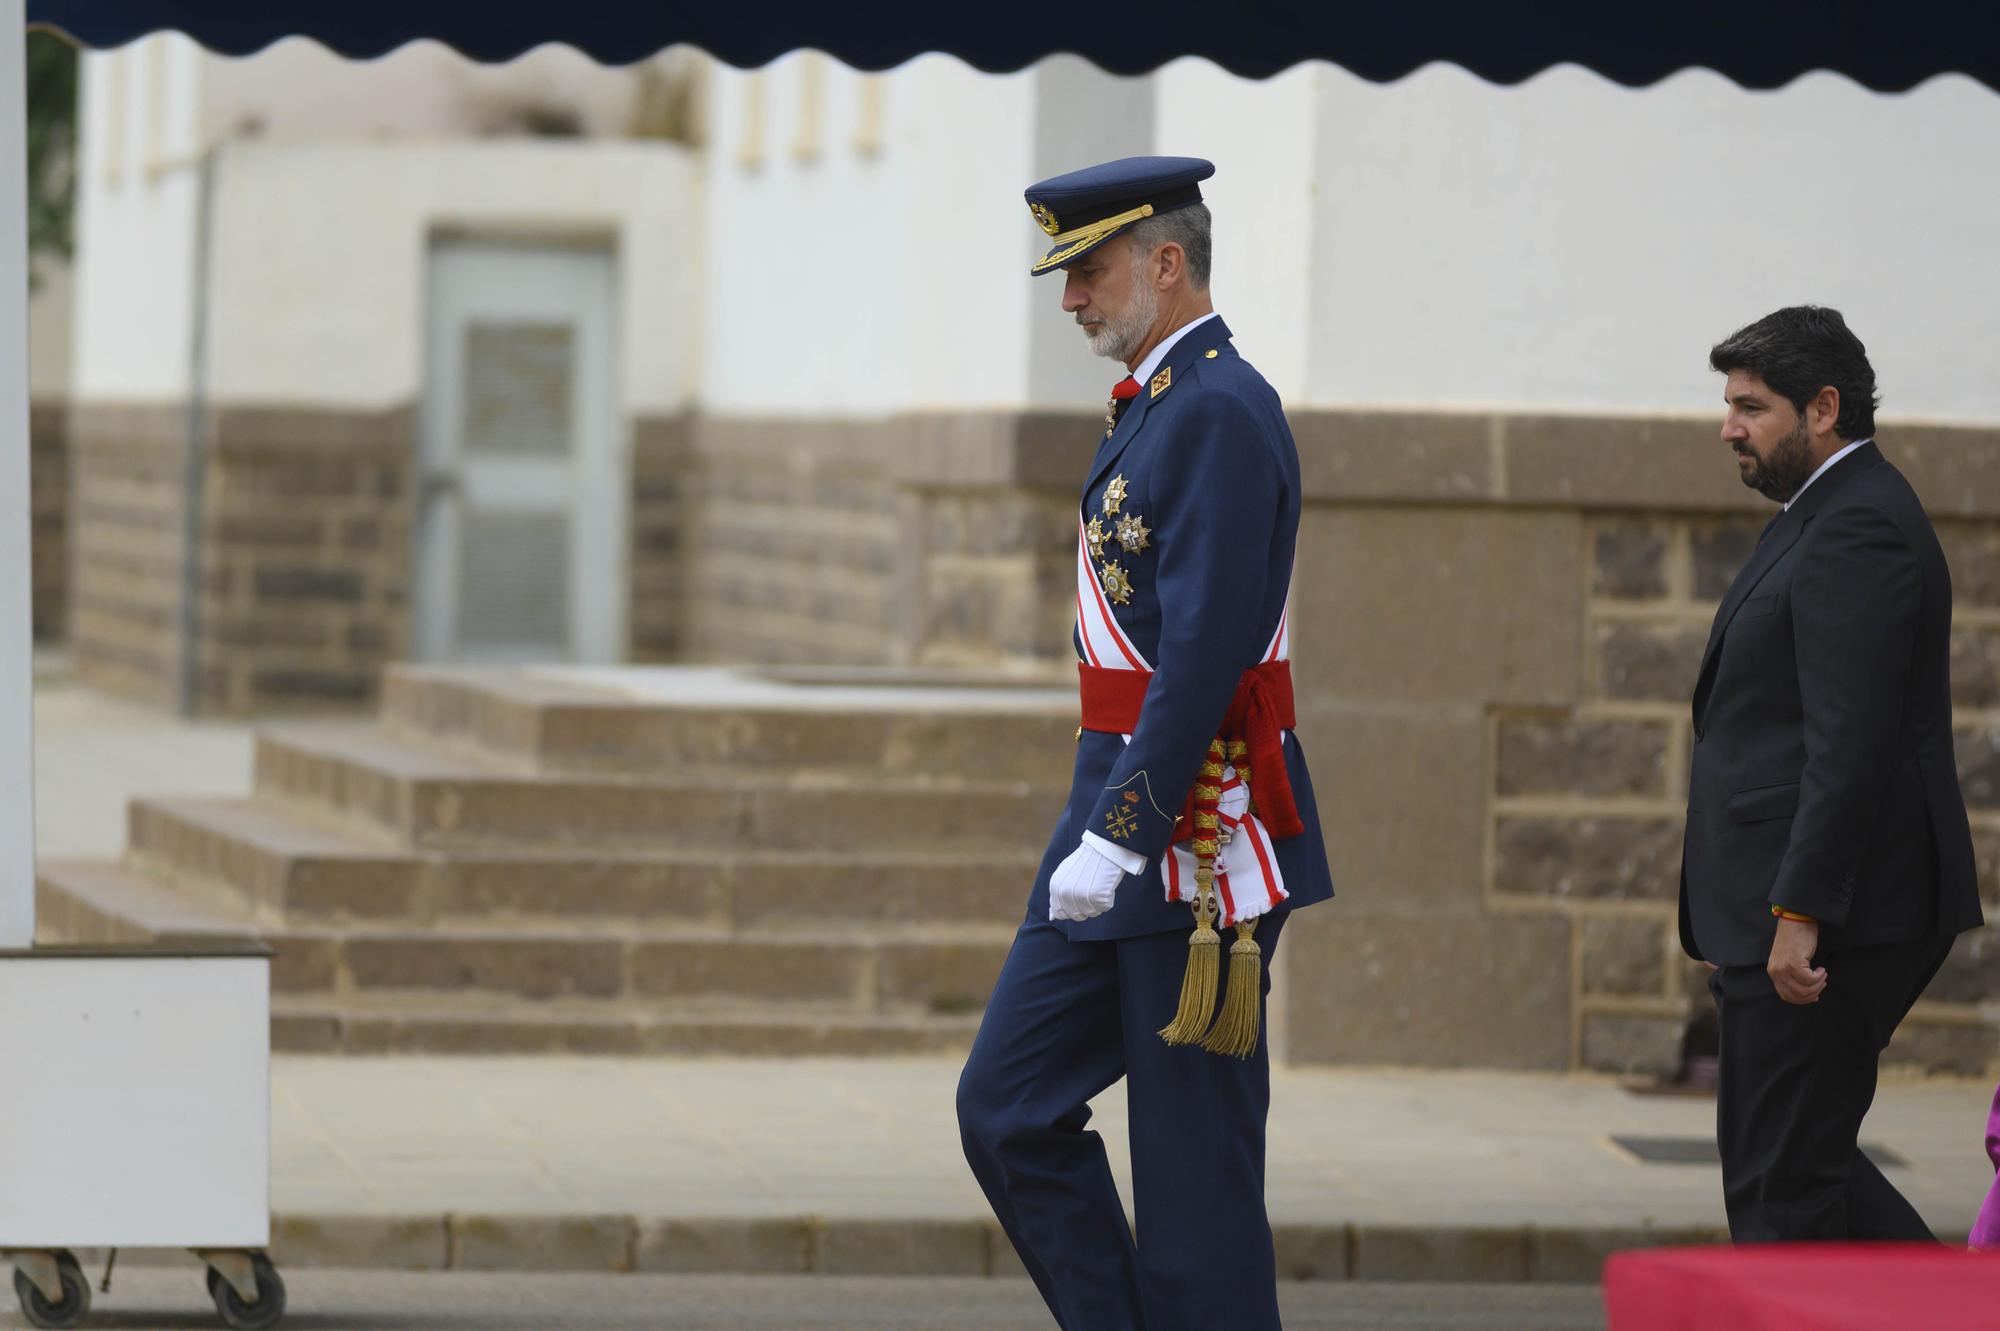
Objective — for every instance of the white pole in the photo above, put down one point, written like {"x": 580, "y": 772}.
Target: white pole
{"x": 17, "y": 632}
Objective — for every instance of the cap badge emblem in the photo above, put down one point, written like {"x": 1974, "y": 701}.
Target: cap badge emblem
{"x": 1045, "y": 219}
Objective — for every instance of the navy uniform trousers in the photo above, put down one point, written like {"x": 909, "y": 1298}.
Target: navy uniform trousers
{"x": 1066, "y": 1020}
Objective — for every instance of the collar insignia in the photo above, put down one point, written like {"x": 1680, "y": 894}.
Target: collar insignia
{"x": 1162, "y": 382}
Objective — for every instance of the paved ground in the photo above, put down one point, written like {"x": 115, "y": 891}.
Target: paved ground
{"x": 378, "y": 1301}
{"x": 93, "y": 752}
{"x": 877, "y": 1139}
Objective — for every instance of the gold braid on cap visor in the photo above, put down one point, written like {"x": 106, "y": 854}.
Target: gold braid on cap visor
{"x": 1071, "y": 243}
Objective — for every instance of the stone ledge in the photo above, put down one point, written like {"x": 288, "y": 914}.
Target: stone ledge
{"x": 1638, "y": 462}
{"x": 1334, "y": 1250}
{"x": 1666, "y": 462}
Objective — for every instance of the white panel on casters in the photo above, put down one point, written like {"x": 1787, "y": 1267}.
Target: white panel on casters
{"x": 136, "y": 1106}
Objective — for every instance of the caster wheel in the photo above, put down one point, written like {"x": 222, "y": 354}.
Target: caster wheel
{"x": 235, "y": 1312}
{"x": 75, "y": 1303}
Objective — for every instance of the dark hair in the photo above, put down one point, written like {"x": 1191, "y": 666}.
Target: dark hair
{"x": 1798, "y": 351}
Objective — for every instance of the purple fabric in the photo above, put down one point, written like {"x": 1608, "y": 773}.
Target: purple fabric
{"x": 1986, "y": 1229}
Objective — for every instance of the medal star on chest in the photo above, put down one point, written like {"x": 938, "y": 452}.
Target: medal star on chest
{"x": 1114, "y": 495}
{"x": 1133, "y": 534}
{"x": 1117, "y": 583}
{"x": 1098, "y": 535}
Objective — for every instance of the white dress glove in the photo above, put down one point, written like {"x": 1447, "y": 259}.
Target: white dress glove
{"x": 1082, "y": 887}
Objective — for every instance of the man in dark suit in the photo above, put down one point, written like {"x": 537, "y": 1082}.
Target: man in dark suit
{"x": 1186, "y": 530}
{"x": 1828, "y": 863}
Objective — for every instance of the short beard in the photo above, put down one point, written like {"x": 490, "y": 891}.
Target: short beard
{"x": 1779, "y": 476}
{"x": 1123, "y": 334}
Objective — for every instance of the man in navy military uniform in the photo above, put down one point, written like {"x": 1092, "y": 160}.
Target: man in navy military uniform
{"x": 1190, "y": 832}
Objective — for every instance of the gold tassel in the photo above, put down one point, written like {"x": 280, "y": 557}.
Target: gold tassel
{"x": 1235, "y": 1033}
{"x": 1204, "y": 965}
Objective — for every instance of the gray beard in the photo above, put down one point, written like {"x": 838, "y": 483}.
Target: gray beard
{"x": 1121, "y": 337}
{"x": 1790, "y": 463}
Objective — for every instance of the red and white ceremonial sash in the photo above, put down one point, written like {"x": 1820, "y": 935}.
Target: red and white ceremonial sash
{"x": 1247, "y": 879}
{"x": 1104, "y": 643}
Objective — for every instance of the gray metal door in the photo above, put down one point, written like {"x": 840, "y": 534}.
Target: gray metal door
{"x": 522, "y": 509}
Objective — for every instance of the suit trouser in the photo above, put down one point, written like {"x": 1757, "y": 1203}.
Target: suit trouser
{"x": 1795, "y": 1081}
{"x": 1066, "y": 1021}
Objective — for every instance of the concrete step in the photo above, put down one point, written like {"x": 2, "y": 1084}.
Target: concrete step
{"x": 947, "y": 971}
{"x": 92, "y": 901}
{"x": 427, "y": 798}
{"x": 859, "y": 971}
{"x": 287, "y": 865}
{"x": 414, "y": 1024}
{"x": 274, "y": 861}
{"x": 656, "y": 720}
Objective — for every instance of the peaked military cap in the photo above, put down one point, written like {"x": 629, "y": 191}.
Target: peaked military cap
{"x": 1083, "y": 209}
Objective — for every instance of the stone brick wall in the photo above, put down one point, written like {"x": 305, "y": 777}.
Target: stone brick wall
{"x": 48, "y": 500}
{"x": 991, "y": 506}
{"x": 1587, "y": 801}
{"x": 914, "y": 541}
{"x": 1497, "y": 624}
{"x": 657, "y": 613}
{"x": 1497, "y": 621}
{"x": 125, "y": 548}
{"x": 306, "y": 558}
{"x": 789, "y": 547}
{"x": 303, "y": 587}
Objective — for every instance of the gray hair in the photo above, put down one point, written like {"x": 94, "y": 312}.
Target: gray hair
{"x": 1186, "y": 227}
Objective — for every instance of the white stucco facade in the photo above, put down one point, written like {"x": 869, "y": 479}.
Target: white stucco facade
{"x": 1571, "y": 243}
{"x": 848, "y": 244}
{"x": 849, "y": 268}
{"x": 136, "y": 205}
{"x": 318, "y": 277}
{"x": 1564, "y": 244}
{"x": 317, "y": 242}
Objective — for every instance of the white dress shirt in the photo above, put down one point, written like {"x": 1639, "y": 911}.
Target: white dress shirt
{"x": 1150, "y": 366}
{"x": 1822, "y": 469}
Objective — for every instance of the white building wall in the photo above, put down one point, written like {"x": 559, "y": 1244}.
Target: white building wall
{"x": 1261, "y": 136}
{"x": 1082, "y": 116}
{"x": 863, "y": 244}
{"x": 1571, "y": 243}
{"x": 318, "y": 285}
{"x": 966, "y": 294}
{"x": 1564, "y": 244}
{"x": 297, "y": 89}
{"x": 137, "y": 194}
{"x": 857, "y": 245}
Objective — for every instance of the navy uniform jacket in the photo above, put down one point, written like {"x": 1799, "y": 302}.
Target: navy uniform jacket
{"x": 1823, "y": 778}
{"x": 1211, "y": 467}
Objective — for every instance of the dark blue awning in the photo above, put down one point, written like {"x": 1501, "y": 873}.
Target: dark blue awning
{"x": 1888, "y": 45}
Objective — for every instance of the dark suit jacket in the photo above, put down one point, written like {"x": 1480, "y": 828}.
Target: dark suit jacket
{"x": 1210, "y": 465}
{"x": 1823, "y": 778}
